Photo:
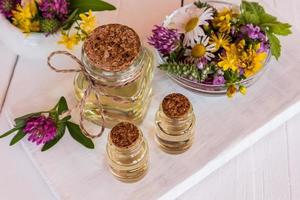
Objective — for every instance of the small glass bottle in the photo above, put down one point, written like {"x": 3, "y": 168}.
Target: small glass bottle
{"x": 175, "y": 124}
{"x": 115, "y": 59}
{"x": 127, "y": 152}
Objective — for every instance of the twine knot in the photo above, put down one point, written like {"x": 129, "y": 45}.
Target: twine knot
{"x": 93, "y": 85}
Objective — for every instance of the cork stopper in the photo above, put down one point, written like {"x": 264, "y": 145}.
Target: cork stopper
{"x": 124, "y": 134}
{"x": 112, "y": 47}
{"x": 175, "y": 105}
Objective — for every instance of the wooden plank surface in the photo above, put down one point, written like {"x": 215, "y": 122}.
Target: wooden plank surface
{"x": 268, "y": 98}
{"x": 253, "y": 177}
{"x": 8, "y": 60}
{"x": 293, "y": 144}
{"x": 266, "y": 171}
{"x": 19, "y": 177}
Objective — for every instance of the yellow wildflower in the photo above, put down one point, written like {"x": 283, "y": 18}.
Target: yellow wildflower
{"x": 88, "y": 23}
{"x": 231, "y": 90}
{"x": 243, "y": 90}
{"x": 69, "y": 41}
{"x": 255, "y": 63}
{"x": 32, "y": 7}
{"x": 252, "y": 60}
{"x": 223, "y": 20}
{"x": 241, "y": 45}
{"x": 230, "y": 59}
{"x": 22, "y": 17}
{"x": 220, "y": 40}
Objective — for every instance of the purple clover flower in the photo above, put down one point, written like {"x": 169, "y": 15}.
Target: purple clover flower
{"x": 219, "y": 80}
{"x": 40, "y": 129}
{"x": 54, "y": 9}
{"x": 253, "y": 32}
{"x": 164, "y": 40}
{"x": 6, "y": 6}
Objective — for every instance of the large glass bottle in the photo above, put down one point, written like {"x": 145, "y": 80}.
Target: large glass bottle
{"x": 116, "y": 61}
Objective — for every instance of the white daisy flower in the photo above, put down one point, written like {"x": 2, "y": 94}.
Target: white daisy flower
{"x": 189, "y": 21}
{"x": 202, "y": 49}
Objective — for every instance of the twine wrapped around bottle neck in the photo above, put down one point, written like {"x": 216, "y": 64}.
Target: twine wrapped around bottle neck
{"x": 93, "y": 85}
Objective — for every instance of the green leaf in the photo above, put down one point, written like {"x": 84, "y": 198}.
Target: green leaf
{"x": 275, "y": 45}
{"x": 267, "y": 18}
{"x": 250, "y": 18}
{"x": 266, "y": 22}
{"x": 67, "y": 118}
{"x": 252, "y": 7}
{"x": 61, "y": 128}
{"x": 39, "y": 14}
{"x": 20, "y": 123}
{"x": 9, "y": 132}
{"x": 21, "y": 120}
{"x": 54, "y": 115}
{"x": 280, "y": 28}
{"x": 227, "y": 75}
{"x": 62, "y": 106}
{"x": 77, "y": 135}
{"x": 70, "y": 21}
{"x": 94, "y": 5}
{"x": 17, "y": 137}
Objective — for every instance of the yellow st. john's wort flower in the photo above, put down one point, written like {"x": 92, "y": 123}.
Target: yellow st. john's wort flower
{"x": 220, "y": 40}
{"x": 223, "y": 20}
{"x": 69, "y": 41}
{"x": 88, "y": 22}
{"x": 231, "y": 90}
{"x": 241, "y": 45}
{"x": 23, "y": 18}
{"x": 230, "y": 59}
{"x": 252, "y": 60}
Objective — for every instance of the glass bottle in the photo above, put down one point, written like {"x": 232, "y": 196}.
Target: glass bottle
{"x": 113, "y": 56}
{"x": 127, "y": 152}
{"x": 175, "y": 124}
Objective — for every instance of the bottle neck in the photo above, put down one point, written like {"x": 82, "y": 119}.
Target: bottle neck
{"x": 179, "y": 120}
{"x": 132, "y": 149}
{"x": 114, "y": 78}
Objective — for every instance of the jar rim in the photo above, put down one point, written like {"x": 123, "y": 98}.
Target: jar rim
{"x": 111, "y": 78}
{"x": 112, "y": 47}
{"x": 130, "y": 147}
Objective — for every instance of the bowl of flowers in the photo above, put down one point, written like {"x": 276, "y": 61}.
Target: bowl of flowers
{"x": 217, "y": 47}
{"x": 34, "y": 28}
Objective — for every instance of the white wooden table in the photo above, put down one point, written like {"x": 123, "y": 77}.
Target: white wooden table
{"x": 267, "y": 170}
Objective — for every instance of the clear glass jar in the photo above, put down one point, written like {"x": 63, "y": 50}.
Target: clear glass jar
{"x": 128, "y": 163}
{"x": 132, "y": 99}
{"x": 175, "y": 134}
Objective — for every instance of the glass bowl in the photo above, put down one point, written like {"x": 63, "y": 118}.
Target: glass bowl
{"x": 210, "y": 88}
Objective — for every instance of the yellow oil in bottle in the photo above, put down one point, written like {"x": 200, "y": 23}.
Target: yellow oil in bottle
{"x": 128, "y": 163}
{"x": 175, "y": 135}
{"x": 134, "y": 102}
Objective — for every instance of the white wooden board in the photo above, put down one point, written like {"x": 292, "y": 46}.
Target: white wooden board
{"x": 224, "y": 129}
{"x": 7, "y": 65}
